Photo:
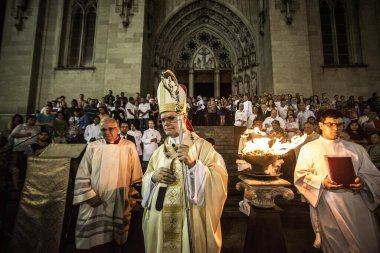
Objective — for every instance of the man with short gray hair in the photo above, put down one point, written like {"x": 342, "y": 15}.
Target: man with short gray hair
{"x": 103, "y": 183}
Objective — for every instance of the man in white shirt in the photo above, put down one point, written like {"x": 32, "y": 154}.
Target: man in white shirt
{"x": 92, "y": 132}
{"x": 282, "y": 109}
{"x": 247, "y": 105}
{"x": 144, "y": 109}
{"x": 267, "y": 124}
{"x": 241, "y": 116}
{"x": 23, "y": 136}
{"x": 303, "y": 114}
{"x": 131, "y": 110}
{"x": 151, "y": 138}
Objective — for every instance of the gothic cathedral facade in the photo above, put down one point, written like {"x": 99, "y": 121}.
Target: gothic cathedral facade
{"x": 215, "y": 47}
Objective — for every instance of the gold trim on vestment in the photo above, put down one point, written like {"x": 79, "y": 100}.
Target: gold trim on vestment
{"x": 172, "y": 212}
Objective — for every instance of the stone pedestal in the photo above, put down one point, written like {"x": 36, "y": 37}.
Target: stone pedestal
{"x": 264, "y": 229}
{"x": 261, "y": 193}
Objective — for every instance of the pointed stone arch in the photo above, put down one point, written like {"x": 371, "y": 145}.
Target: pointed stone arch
{"x": 226, "y": 27}
{"x": 223, "y": 20}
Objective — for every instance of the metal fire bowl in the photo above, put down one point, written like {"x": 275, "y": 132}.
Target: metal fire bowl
{"x": 259, "y": 163}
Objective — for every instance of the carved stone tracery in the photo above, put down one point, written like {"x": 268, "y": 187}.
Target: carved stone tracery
{"x": 230, "y": 39}
{"x": 201, "y": 44}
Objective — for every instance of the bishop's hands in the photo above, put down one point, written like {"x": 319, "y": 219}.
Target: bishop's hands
{"x": 163, "y": 175}
{"x": 331, "y": 185}
{"x": 185, "y": 156}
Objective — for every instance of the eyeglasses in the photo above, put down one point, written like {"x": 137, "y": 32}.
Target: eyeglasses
{"x": 331, "y": 124}
{"x": 169, "y": 119}
{"x": 110, "y": 129}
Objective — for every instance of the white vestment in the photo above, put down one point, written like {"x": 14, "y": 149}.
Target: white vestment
{"x": 248, "y": 107}
{"x": 241, "y": 118}
{"x": 345, "y": 219}
{"x": 165, "y": 231}
{"x": 149, "y": 146}
{"x": 106, "y": 170}
{"x": 137, "y": 134}
{"x": 92, "y": 131}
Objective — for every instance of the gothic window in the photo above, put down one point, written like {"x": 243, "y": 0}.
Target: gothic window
{"x": 2, "y": 15}
{"x": 335, "y": 32}
{"x": 78, "y": 34}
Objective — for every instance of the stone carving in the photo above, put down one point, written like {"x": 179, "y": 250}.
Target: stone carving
{"x": 200, "y": 46}
{"x": 204, "y": 59}
{"x": 204, "y": 15}
{"x": 124, "y": 8}
{"x": 288, "y": 7}
{"x": 20, "y": 10}
{"x": 262, "y": 194}
{"x": 253, "y": 83}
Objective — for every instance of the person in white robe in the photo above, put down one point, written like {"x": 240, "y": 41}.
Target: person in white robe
{"x": 247, "y": 105}
{"x": 92, "y": 131}
{"x": 103, "y": 188}
{"x": 150, "y": 140}
{"x": 165, "y": 221}
{"x": 342, "y": 217}
{"x": 241, "y": 116}
{"x": 138, "y": 136}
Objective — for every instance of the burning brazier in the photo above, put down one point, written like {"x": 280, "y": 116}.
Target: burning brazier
{"x": 260, "y": 162}
{"x": 260, "y": 165}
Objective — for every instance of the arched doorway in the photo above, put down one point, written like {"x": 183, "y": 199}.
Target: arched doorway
{"x": 204, "y": 83}
{"x": 207, "y": 36}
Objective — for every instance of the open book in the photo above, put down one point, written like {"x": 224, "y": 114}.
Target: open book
{"x": 341, "y": 170}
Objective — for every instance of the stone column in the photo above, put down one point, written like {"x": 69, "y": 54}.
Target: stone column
{"x": 216, "y": 83}
{"x": 191, "y": 83}
{"x": 234, "y": 80}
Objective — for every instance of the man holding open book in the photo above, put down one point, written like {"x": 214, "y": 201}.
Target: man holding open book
{"x": 342, "y": 186}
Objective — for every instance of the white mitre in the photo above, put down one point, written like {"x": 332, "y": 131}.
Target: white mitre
{"x": 166, "y": 96}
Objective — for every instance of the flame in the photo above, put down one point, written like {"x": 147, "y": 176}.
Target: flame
{"x": 261, "y": 144}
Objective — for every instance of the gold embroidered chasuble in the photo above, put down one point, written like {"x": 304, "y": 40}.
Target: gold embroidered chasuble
{"x": 166, "y": 230}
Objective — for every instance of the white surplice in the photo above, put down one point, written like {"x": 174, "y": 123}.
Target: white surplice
{"x": 345, "y": 219}
{"x": 138, "y": 135}
{"x": 106, "y": 171}
{"x": 149, "y": 146}
{"x": 241, "y": 118}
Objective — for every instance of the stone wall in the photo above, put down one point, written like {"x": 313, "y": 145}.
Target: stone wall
{"x": 349, "y": 80}
{"x": 289, "y": 57}
{"x": 117, "y": 57}
{"x": 265, "y": 52}
{"x": 16, "y": 58}
{"x": 290, "y": 50}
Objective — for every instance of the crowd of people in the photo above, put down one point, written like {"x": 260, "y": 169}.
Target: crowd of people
{"x": 279, "y": 115}
{"x": 137, "y": 119}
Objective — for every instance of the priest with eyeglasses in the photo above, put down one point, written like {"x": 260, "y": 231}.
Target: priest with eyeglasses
{"x": 342, "y": 186}
{"x": 103, "y": 187}
{"x": 165, "y": 220}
